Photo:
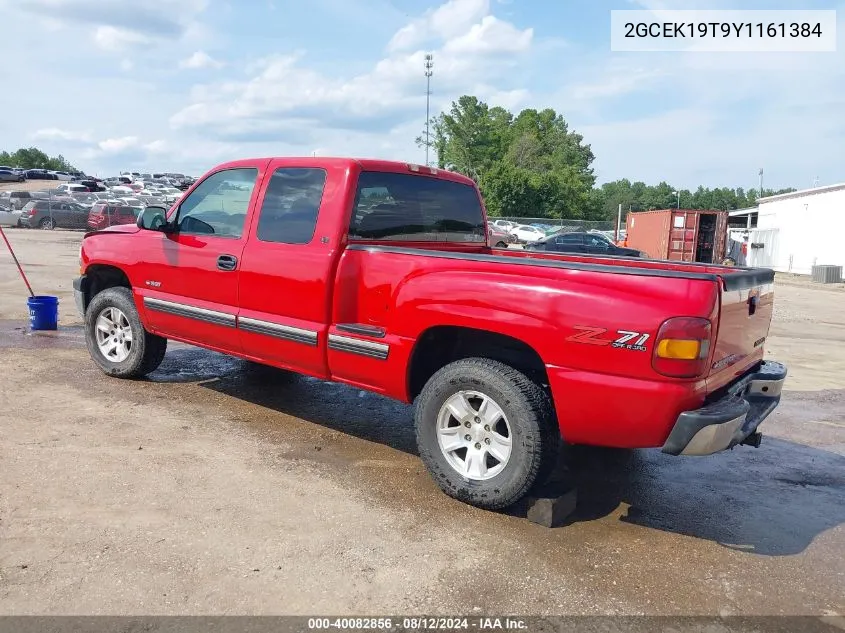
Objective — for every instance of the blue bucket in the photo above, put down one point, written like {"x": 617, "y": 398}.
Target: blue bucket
{"x": 43, "y": 312}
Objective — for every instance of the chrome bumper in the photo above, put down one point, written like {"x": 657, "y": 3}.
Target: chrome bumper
{"x": 728, "y": 421}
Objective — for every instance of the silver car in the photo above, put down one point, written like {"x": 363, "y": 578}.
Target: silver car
{"x": 7, "y": 175}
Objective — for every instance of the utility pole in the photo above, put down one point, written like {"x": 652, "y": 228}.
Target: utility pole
{"x": 761, "y": 181}
{"x": 429, "y": 64}
{"x": 618, "y": 222}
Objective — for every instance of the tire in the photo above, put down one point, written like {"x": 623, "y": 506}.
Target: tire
{"x": 47, "y": 224}
{"x": 501, "y": 245}
{"x": 145, "y": 352}
{"x": 527, "y": 416}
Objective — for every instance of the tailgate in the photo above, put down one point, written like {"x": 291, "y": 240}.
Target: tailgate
{"x": 747, "y": 303}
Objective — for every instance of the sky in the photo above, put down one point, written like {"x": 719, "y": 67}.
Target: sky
{"x": 182, "y": 85}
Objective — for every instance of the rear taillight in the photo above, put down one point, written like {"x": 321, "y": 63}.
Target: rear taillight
{"x": 682, "y": 347}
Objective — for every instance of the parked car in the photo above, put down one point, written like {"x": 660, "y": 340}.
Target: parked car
{"x": 526, "y": 233}
{"x": 587, "y": 243}
{"x": 47, "y": 214}
{"x": 92, "y": 184}
{"x": 499, "y": 237}
{"x": 506, "y": 225}
{"x": 104, "y": 214}
{"x": 9, "y": 217}
{"x": 7, "y": 175}
{"x": 39, "y": 174}
{"x": 70, "y": 188}
{"x": 407, "y": 299}
{"x": 17, "y": 199}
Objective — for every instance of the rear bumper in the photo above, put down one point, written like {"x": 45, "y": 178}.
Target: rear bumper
{"x": 726, "y": 422}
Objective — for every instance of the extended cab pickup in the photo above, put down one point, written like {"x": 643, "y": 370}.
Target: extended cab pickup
{"x": 380, "y": 275}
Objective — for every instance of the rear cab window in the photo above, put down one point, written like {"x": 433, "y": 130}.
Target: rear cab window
{"x": 416, "y": 208}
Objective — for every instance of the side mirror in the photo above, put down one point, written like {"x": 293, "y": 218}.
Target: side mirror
{"x": 153, "y": 219}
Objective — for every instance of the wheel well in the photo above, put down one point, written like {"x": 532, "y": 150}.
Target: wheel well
{"x": 99, "y": 277}
{"x": 441, "y": 345}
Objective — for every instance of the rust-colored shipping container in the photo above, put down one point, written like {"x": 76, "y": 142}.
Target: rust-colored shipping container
{"x": 688, "y": 235}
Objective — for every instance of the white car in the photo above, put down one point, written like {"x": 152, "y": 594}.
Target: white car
{"x": 10, "y": 218}
{"x": 505, "y": 225}
{"x": 72, "y": 188}
{"x": 525, "y": 233}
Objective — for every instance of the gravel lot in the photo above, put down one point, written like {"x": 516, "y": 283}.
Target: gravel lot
{"x": 207, "y": 489}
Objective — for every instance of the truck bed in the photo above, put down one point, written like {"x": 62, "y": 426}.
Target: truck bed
{"x": 617, "y": 293}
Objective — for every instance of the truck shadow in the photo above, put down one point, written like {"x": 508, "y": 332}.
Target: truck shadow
{"x": 772, "y": 501}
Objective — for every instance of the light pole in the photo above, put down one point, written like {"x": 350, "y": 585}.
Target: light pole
{"x": 678, "y": 193}
{"x": 429, "y": 64}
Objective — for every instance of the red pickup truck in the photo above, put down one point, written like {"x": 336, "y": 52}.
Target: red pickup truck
{"x": 380, "y": 275}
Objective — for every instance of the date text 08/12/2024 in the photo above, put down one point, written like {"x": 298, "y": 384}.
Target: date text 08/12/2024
{"x": 419, "y": 624}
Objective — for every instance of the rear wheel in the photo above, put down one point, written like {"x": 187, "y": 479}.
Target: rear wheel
{"x": 485, "y": 432}
{"x": 116, "y": 338}
{"x": 47, "y": 224}
{"x": 501, "y": 245}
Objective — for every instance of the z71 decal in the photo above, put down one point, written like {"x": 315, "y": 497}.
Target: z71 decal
{"x": 626, "y": 339}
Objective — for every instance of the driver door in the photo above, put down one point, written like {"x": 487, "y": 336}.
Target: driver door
{"x": 190, "y": 275}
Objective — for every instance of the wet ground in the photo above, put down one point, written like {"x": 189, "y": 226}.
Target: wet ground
{"x": 215, "y": 488}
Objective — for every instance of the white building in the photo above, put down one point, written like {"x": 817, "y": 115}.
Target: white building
{"x": 798, "y": 230}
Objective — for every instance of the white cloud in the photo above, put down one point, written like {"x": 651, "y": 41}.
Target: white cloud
{"x": 491, "y": 35}
{"x": 446, "y": 21}
{"x": 286, "y": 100}
{"x": 157, "y": 147}
{"x": 126, "y": 65}
{"x": 117, "y": 145}
{"x": 56, "y": 134}
{"x": 111, "y": 38}
{"x": 200, "y": 59}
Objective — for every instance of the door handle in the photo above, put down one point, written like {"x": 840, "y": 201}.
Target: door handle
{"x": 227, "y": 262}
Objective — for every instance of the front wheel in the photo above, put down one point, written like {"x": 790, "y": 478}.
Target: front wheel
{"x": 485, "y": 432}
{"x": 116, "y": 338}
{"x": 47, "y": 224}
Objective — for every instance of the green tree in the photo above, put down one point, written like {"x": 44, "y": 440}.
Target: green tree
{"x": 528, "y": 165}
{"x": 34, "y": 158}
{"x": 532, "y": 165}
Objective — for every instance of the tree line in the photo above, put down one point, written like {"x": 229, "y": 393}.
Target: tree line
{"x": 533, "y": 165}
{"x": 34, "y": 158}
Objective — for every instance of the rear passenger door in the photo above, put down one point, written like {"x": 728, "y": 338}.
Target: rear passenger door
{"x": 286, "y": 270}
